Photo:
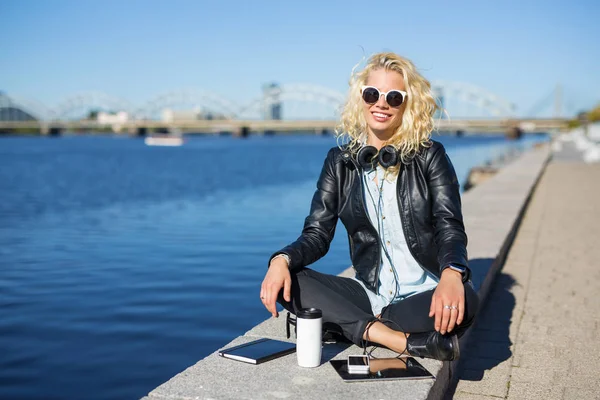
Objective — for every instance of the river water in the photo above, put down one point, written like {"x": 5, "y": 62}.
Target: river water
{"x": 122, "y": 264}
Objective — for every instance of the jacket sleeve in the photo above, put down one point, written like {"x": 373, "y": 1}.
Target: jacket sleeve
{"x": 319, "y": 226}
{"x": 449, "y": 228}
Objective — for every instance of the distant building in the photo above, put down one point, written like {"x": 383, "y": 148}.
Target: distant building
{"x": 10, "y": 111}
{"x": 272, "y": 102}
{"x": 105, "y": 118}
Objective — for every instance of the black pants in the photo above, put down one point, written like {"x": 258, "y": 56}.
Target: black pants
{"x": 346, "y": 306}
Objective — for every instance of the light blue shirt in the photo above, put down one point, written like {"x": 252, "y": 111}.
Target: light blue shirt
{"x": 400, "y": 275}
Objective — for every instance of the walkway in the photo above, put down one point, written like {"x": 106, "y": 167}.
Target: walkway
{"x": 539, "y": 335}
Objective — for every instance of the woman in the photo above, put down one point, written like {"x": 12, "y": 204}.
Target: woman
{"x": 396, "y": 192}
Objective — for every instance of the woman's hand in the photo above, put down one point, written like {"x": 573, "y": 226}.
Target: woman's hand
{"x": 278, "y": 276}
{"x": 449, "y": 292}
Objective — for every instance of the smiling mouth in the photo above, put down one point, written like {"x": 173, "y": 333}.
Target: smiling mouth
{"x": 381, "y": 117}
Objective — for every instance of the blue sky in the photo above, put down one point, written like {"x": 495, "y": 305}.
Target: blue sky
{"x": 134, "y": 49}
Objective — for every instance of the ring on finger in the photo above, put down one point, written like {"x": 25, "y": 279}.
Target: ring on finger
{"x": 448, "y": 307}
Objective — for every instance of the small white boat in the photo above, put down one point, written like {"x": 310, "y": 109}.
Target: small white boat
{"x": 171, "y": 141}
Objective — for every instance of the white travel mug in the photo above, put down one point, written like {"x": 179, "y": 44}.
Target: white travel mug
{"x": 309, "y": 322}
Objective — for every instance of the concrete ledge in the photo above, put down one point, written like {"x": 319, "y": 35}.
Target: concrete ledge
{"x": 492, "y": 215}
{"x": 492, "y": 212}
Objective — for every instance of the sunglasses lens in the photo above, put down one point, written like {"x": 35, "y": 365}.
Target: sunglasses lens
{"x": 394, "y": 98}
{"x": 370, "y": 95}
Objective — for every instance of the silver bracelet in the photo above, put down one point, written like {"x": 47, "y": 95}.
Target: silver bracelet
{"x": 285, "y": 256}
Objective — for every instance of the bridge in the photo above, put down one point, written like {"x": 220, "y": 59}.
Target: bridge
{"x": 244, "y": 127}
{"x": 216, "y": 114}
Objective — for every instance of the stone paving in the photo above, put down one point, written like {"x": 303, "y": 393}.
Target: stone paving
{"x": 538, "y": 336}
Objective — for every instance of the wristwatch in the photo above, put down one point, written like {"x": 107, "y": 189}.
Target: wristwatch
{"x": 285, "y": 257}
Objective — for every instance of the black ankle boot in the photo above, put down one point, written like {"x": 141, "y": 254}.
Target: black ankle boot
{"x": 433, "y": 345}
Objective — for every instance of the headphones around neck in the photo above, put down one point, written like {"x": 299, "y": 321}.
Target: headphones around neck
{"x": 368, "y": 157}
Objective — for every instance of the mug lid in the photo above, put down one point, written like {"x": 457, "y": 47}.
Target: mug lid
{"x": 309, "y": 313}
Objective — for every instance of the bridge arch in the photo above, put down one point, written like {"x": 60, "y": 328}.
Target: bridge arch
{"x": 479, "y": 97}
{"x": 22, "y": 108}
{"x": 323, "y": 99}
{"x": 77, "y": 105}
{"x": 300, "y": 92}
{"x": 187, "y": 97}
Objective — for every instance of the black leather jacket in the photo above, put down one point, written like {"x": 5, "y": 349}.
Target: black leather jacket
{"x": 430, "y": 208}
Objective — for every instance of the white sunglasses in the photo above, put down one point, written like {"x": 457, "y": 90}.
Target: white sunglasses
{"x": 394, "y": 98}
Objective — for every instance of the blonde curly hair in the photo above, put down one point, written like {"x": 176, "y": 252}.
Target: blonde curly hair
{"x": 417, "y": 121}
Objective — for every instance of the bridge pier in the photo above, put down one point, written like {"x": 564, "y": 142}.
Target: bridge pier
{"x": 162, "y": 130}
{"x": 55, "y": 131}
{"x": 514, "y": 133}
{"x": 242, "y": 132}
